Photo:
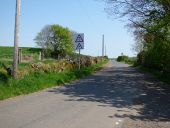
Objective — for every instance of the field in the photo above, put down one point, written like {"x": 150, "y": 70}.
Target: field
{"x": 6, "y": 53}
{"x": 29, "y": 55}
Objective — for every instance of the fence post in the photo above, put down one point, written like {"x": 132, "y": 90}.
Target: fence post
{"x": 19, "y": 55}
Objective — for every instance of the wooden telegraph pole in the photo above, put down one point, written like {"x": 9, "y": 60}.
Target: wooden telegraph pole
{"x": 103, "y": 45}
{"x": 105, "y": 50}
{"x": 16, "y": 39}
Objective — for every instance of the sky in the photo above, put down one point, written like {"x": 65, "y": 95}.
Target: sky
{"x": 82, "y": 16}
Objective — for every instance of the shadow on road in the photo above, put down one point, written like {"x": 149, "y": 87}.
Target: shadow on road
{"x": 123, "y": 88}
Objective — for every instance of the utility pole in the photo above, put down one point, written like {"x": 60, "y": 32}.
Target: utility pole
{"x": 16, "y": 39}
{"x": 105, "y": 50}
{"x": 103, "y": 45}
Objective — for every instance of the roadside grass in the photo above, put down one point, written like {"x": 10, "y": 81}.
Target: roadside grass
{"x": 132, "y": 62}
{"x": 162, "y": 77}
{"x": 38, "y": 81}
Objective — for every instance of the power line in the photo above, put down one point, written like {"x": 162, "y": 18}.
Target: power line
{"x": 85, "y": 12}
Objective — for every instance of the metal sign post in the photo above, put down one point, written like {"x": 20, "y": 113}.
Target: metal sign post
{"x": 78, "y": 45}
{"x": 79, "y": 60}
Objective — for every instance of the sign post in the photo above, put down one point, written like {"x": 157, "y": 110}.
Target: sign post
{"x": 79, "y": 44}
{"x": 79, "y": 60}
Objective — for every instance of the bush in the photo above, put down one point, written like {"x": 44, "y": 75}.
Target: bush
{"x": 140, "y": 58}
{"x": 156, "y": 57}
{"x": 123, "y": 59}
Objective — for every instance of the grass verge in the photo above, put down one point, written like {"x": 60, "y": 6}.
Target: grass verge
{"x": 39, "y": 81}
{"x": 162, "y": 77}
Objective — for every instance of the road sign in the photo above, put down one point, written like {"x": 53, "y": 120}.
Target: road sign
{"x": 78, "y": 41}
{"x": 79, "y": 46}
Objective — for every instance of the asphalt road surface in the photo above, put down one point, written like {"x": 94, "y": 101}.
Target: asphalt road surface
{"x": 116, "y": 97}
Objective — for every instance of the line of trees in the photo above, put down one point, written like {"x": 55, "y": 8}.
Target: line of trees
{"x": 55, "y": 40}
{"x": 149, "y": 20}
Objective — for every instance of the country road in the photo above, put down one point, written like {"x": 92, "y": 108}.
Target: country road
{"x": 118, "y": 96}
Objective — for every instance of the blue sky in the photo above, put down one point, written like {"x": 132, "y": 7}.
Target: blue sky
{"x": 83, "y": 16}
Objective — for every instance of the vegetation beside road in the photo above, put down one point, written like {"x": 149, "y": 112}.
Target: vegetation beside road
{"x": 149, "y": 23}
{"x": 159, "y": 75}
{"x": 128, "y": 60}
{"x": 133, "y": 61}
{"x": 37, "y": 75}
{"x": 55, "y": 63}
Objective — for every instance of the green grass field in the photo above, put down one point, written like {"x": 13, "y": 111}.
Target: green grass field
{"x": 7, "y": 52}
{"x": 6, "y": 55}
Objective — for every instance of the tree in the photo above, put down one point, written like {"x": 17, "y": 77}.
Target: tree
{"x": 43, "y": 38}
{"x": 149, "y": 22}
{"x": 61, "y": 41}
{"x": 55, "y": 40}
